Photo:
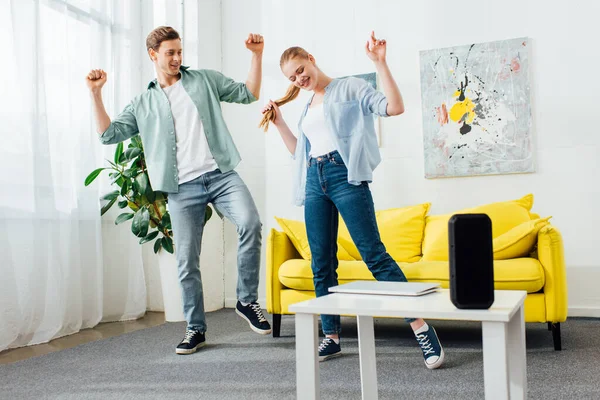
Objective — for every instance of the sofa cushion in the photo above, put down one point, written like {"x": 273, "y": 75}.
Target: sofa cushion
{"x": 519, "y": 241}
{"x": 516, "y": 274}
{"x": 505, "y": 215}
{"x": 401, "y": 231}
{"x": 296, "y": 231}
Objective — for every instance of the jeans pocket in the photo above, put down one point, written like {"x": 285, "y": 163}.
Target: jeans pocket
{"x": 336, "y": 159}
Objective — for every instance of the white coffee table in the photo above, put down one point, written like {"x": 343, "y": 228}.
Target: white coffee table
{"x": 503, "y": 326}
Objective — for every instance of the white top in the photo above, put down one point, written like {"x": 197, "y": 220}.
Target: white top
{"x": 316, "y": 130}
{"x": 436, "y": 305}
{"x": 193, "y": 154}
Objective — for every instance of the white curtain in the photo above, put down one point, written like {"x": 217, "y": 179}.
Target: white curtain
{"x": 62, "y": 267}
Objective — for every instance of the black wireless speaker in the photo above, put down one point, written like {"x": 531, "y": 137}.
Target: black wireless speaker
{"x": 471, "y": 261}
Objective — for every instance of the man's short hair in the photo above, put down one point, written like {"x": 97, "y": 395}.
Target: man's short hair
{"x": 159, "y": 35}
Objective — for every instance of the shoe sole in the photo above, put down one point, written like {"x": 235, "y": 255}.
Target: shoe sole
{"x": 255, "y": 329}
{"x": 330, "y": 356}
{"x": 190, "y": 351}
{"x": 438, "y": 363}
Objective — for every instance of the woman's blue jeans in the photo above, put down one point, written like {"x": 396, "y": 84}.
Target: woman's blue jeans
{"x": 327, "y": 194}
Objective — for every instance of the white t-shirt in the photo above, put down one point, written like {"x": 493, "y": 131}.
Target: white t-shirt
{"x": 316, "y": 131}
{"x": 193, "y": 154}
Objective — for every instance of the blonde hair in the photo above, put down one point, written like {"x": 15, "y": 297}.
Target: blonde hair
{"x": 293, "y": 90}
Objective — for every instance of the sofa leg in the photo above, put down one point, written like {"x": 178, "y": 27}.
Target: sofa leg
{"x": 556, "y": 336}
{"x": 276, "y": 325}
{"x": 549, "y": 326}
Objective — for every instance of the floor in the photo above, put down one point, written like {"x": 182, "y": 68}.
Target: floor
{"x": 100, "y": 331}
{"x": 239, "y": 364}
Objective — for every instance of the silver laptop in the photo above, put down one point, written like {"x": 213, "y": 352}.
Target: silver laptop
{"x": 387, "y": 288}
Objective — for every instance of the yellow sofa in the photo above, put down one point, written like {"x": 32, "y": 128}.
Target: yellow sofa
{"x": 528, "y": 253}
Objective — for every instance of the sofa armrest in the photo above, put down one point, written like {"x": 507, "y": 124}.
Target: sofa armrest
{"x": 551, "y": 255}
{"x": 279, "y": 250}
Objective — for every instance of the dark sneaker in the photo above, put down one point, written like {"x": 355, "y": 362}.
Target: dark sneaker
{"x": 329, "y": 349}
{"x": 254, "y": 316}
{"x": 192, "y": 341}
{"x": 433, "y": 353}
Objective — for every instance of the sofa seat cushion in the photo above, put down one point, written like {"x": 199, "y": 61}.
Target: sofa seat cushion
{"x": 515, "y": 274}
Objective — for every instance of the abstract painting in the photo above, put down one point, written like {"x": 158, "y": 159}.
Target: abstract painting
{"x": 476, "y": 109}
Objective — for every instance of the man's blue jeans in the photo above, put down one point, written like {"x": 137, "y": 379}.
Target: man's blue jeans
{"x": 327, "y": 194}
{"x": 230, "y": 196}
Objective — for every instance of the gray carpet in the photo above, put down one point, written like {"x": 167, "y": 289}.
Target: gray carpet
{"x": 239, "y": 364}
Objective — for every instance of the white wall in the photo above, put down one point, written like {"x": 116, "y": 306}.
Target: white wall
{"x": 238, "y": 20}
{"x": 566, "y": 183}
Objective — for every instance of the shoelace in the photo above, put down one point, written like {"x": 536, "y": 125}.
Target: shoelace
{"x": 425, "y": 344}
{"x": 189, "y": 334}
{"x": 326, "y": 342}
{"x": 256, "y": 308}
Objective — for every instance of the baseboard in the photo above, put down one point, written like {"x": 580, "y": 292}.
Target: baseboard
{"x": 584, "y": 312}
{"x": 231, "y": 302}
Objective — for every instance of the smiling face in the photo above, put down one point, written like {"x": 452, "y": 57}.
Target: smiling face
{"x": 168, "y": 58}
{"x": 301, "y": 71}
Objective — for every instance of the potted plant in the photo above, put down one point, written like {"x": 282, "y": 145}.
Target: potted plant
{"x": 148, "y": 210}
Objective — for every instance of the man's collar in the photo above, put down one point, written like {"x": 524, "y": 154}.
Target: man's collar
{"x": 154, "y": 81}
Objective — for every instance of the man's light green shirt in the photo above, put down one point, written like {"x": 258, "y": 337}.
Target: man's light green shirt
{"x": 149, "y": 115}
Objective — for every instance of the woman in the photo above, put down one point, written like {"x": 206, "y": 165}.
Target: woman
{"x": 336, "y": 152}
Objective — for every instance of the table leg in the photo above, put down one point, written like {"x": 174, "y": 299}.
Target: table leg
{"x": 517, "y": 356}
{"x": 368, "y": 365}
{"x": 495, "y": 360}
{"x": 307, "y": 362}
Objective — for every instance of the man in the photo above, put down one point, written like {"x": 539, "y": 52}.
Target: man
{"x": 191, "y": 156}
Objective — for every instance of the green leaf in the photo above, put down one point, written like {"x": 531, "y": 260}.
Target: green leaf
{"x": 141, "y": 183}
{"x": 157, "y": 245}
{"x": 130, "y": 173}
{"x": 141, "y": 221}
{"x": 122, "y": 159}
{"x": 125, "y": 188}
{"x": 166, "y": 221}
{"x": 111, "y": 196}
{"x": 107, "y": 206}
{"x": 207, "y": 214}
{"x": 149, "y": 237}
{"x": 136, "y": 141}
{"x": 151, "y": 195}
{"x": 167, "y": 244}
{"x": 132, "y": 153}
{"x": 143, "y": 201}
{"x": 118, "y": 152}
{"x": 90, "y": 178}
{"x": 122, "y": 204}
{"x": 133, "y": 206}
{"x": 123, "y": 217}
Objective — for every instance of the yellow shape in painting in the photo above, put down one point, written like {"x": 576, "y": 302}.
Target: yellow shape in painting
{"x": 460, "y": 108}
